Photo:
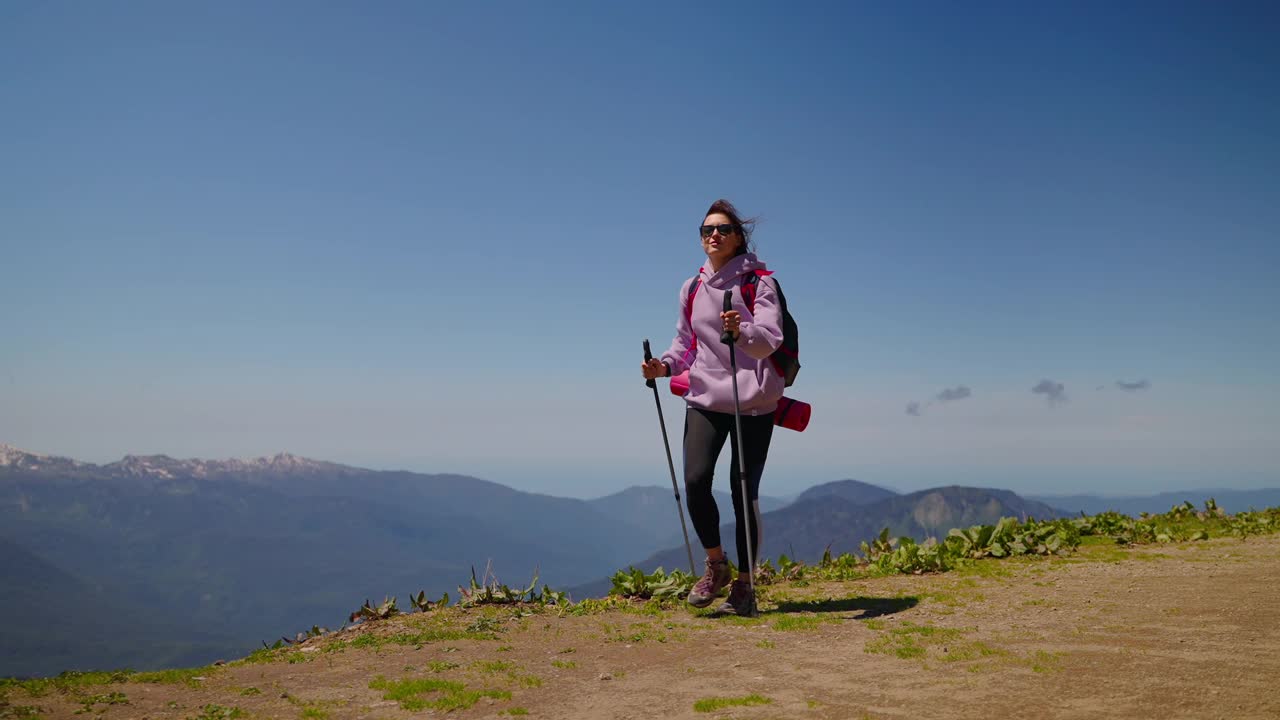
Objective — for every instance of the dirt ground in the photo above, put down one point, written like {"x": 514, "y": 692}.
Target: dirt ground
{"x": 1173, "y": 631}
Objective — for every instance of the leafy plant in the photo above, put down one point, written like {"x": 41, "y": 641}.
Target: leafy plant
{"x": 1105, "y": 523}
{"x": 491, "y": 592}
{"x": 882, "y": 545}
{"x": 788, "y": 570}
{"x": 421, "y": 602}
{"x": 635, "y": 584}
{"x": 368, "y": 612}
{"x": 1009, "y": 537}
{"x": 315, "y": 631}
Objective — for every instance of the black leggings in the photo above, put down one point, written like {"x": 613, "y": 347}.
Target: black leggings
{"x": 704, "y": 435}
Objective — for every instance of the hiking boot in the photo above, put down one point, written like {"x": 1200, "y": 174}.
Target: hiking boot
{"x": 710, "y": 584}
{"x": 741, "y": 600}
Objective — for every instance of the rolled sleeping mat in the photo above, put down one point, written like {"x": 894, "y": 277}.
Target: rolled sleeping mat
{"x": 791, "y": 414}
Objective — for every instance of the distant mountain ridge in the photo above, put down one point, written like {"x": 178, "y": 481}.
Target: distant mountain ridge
{"x": 163, "y": 467}
{"x": 1229, "y": 500}
{"x": 805, "y": 529}
{"x": 652, "y": 509}
{"x": 826, "y": 518}
{"x": 247, "y": 550}
{"x": 855, "y": 491}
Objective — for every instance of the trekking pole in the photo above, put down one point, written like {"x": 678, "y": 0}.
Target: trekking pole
{"x": 726, "y": 337}
{"x": 670, "y": 465}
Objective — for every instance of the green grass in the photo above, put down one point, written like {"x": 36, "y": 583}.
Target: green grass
{"x": 564, "y": 665}
{"x": 712, "y": 704}
{"x": 904, "y": 647}
{"x": 987, "y": 567}
{"x": 1109, "y": 552}
{"x": 943, "y": 598}
{"x": 909, "y": 628}
{"x": 766, "y": 644}
{"x": 450, "y": 695}
{"x": 19, "y": 712}
{"x": 68, "y": 681}
{"x": 314, "y": 713}
{"x": 420, "y": 637}
{"x": 793, "y": 623}
{"x": 75, "y": 681}
{"x": 910, "y": 641}
{"x": 961, "y": 652}
{"x": 1045, "y": 662}
{"x": 89, "y": 701}
{"x": 637, "y": 633}
{"x": 260, "y": 656}
{"x": 219, "y": 712}
{"x": 184, "y": 676}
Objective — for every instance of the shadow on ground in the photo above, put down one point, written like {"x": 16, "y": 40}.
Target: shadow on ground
{"x": 867, "y": 607}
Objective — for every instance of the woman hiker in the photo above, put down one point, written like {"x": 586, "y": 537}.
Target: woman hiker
{"x": 709, "y": 417}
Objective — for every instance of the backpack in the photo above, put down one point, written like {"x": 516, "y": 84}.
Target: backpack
{"x": 786, "y": 359}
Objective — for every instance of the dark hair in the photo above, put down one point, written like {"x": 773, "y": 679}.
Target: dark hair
{"x": 744, "y": 227}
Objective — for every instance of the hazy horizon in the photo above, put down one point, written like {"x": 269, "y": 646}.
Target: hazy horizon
{"x": 777, "y": 490}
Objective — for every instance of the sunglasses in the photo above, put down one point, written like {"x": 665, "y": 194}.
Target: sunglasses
{"x": 724, "y": 229}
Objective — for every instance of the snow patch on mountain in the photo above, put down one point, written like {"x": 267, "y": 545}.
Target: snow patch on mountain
{"x": 163, "y": 466}
{"x": 11, "y": 456}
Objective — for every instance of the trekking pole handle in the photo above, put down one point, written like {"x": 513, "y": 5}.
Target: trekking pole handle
{"x": 648, "y": 355}
{"x": 726, "y": 337}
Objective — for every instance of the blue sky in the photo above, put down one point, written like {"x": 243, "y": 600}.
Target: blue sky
{"x": 432, "y": 236}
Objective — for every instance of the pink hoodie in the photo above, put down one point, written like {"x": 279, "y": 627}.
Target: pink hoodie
{"x": 710, "y": 384}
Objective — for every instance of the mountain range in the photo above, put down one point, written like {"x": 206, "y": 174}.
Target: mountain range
{"x": 843, "y": 514}
{"x": 153, "y": 562}
{"x": 1229, "y": 500}
{"x": 234, "y": 552}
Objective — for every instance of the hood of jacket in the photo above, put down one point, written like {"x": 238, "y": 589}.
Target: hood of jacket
{"x": 728, "y": 274}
